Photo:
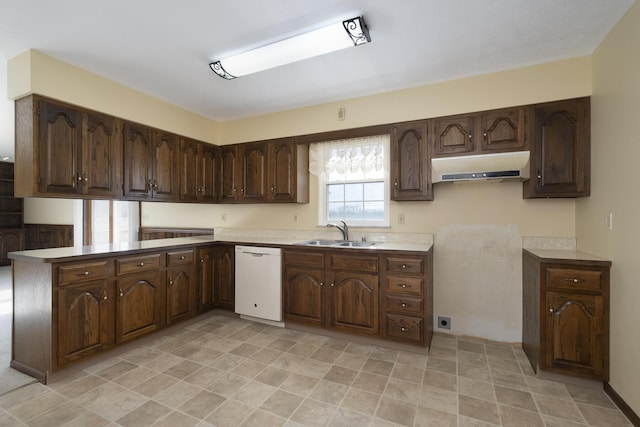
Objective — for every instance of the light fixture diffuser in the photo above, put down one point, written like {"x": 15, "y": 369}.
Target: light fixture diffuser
{"x": 350, "y": 32}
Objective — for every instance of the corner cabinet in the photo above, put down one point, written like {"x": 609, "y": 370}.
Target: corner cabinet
{"x": 566, "y": 313}
{"x": 66, "y": 151}
{"x": 560, "y": 156}
{"x": 410, "y": 162}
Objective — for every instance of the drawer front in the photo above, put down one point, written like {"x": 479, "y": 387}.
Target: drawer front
{"x": 180, "y": 257}
{"x": 353, "y": 262}
{"x": 404, "y": 304}
{"x": 137, "y": 263}
{"x": 84, "y": 272}
{"x": 310, "y": 259}
{"x": 405, "y": 265}
{"x": 566, "y": 278}
{"x": 405, "y": 327}
{"x": 405, "y": 285}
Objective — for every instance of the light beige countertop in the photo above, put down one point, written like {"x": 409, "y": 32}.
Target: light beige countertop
{"x": 566, "y": 255}
{"x": 397, "y": 242}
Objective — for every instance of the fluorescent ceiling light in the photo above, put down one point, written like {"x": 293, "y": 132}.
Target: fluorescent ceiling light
{"x": 350, "y": 32}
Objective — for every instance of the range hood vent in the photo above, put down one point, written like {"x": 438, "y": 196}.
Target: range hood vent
{"x": 513, "y": 165}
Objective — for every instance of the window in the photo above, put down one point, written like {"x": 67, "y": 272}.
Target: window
{"x": 352, "y": 179}
{"x": 106, "y": 221}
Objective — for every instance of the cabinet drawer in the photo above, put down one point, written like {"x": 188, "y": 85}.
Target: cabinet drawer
{"x": 405, "y": 285}
{"x": 404, "y": 304}
{"x": 405, "y": 265}
{"x": 137, "y": 263}
{"x": 310, "y": 259}
{"x": 567, "y": 278}
{"x": 404, "y": 327}
{"x": 353, "y": 262}
{"x": 82, "y": 272}
{"x": 179, "y": 257}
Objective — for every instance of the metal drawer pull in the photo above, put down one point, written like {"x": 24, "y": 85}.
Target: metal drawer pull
{"x": 403, "y": 329}
{"x": 404, "y": 266}
{"x": 404, "y": 285}
{"x": 321, "y": 284}
{"x": 170, "y": 281}
{"x": 404, "y": 304}
{"x": 121, "y": 293}
{"x": 550, "y": 309}
{"x": 84, "y": 273}
{"x": 182, "y": 257}
{"x": 104, "y": 295}
{"x": 141, "y": 264}
{"x": 201, "y": 260}
{"x": 332, "y": 285}
{"x": 573, "y": 279}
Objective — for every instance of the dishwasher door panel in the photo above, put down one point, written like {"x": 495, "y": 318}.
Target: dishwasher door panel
{"x": 259, "y": 282}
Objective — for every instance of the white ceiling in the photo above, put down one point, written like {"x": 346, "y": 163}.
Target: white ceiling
{"x": 163, "y": 47}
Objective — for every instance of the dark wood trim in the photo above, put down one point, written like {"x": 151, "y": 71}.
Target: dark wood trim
{"x": 86, "y": 227}
{"x": 150, "y": 233}
{"x": 344, "y": 134}
{"x": 621, "y": 404}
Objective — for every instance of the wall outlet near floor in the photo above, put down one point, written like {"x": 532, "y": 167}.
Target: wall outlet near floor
{"x": 444, "y": 322}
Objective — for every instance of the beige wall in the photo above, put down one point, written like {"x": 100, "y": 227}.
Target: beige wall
{"x": 34, "y": 72}
{"x": 615, "y": 151}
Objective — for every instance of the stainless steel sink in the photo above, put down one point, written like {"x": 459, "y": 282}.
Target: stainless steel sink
{"x": 352, "y": 244}
{"x": 319, "y": 242}
{"x": 338, "y": 243}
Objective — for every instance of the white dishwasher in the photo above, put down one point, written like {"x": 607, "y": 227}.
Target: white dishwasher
{"x": 259, "y": 282}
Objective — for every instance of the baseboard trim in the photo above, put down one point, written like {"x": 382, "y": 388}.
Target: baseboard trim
{"x": 622, "y": 405}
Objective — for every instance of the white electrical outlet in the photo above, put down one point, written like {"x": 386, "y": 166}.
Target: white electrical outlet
{"x": 341, "y": 113}
{"x": 224, "y": 217}
{"x": 401, "y": 218}
{"x": 609, "y": 221}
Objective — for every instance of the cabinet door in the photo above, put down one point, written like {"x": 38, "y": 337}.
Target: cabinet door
{"x": 574, "y": 329}
{"x": 85, "y": 320}
{"x": 10, "y": 241}
{"x": 453, "y": 135}
{"x": 228, "y": 173}
{"x": 101, "y": 156}
{"x": 180, "y": 299}
{"x": 410, "y": 165}
{"x": 304, "y": 295}
{"x": 207, "y": 169}
{"x": 254, "y": 172}
{"x": 206, "y": 280}
{"x": 140, "y": 305}
{"x": 282, "y": 170}
{"x": 137, "y": 161}
{"x": 189, "y": 158}
{"x": 504, "y": 130}
{"x": 560, "y": 157}
{"x": 354, "y": 302}
{"x": 164, "y": 164}
{"x": 224, "y": 285}
{"x": 60, "y": 142}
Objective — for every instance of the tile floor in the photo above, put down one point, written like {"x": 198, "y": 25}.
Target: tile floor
{"x": 226, "y": 371}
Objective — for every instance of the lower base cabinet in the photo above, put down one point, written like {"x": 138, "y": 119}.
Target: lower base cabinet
{"x": 386, "y": 295}
{"x": 565, "y": 313}
{"x": 67, "y": 311}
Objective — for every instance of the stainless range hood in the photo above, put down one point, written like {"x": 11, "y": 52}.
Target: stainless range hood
{"x": 513, "y": 165}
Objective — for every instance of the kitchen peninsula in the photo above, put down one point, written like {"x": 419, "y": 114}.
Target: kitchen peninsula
{"x": 72, "y": 303}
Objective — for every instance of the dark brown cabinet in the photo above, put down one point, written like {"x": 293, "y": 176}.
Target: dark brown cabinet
{"x": 11, "y": 240}
{"x": 410, "y": 162}
{"x": 75, "y": 152}
{"x": 150, "y": 164}
{"x": 565, "y": 313}
{"x": 224, "y": 288}
{"x": 265, "y": 171}
{"x": 181, "y": 286}
{"x": 338, "y": 291}
{"x": 206, "y": 278}
{"x": 407, "y": 298}
{"x": 560, "y": 158}
{"x": 85, "y": 320}
{"x": 480, "y": 133}
{"x": 198, "y": 167}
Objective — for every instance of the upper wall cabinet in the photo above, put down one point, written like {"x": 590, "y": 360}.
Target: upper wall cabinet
{"x": 198, "y": 167}
{"x": 65, "y": 151}
{"x": 560, "y": 158}
{"x": 265, "y": 171}
{"x": 410, "y": 162}
{"x": 479, "y": 133}
{"x": 150, "y": 164}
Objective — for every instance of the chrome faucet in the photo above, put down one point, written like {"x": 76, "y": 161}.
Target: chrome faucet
{"x": 344, "y": 229}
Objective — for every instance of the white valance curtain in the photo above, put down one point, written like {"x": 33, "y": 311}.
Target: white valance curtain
{"x": 364, "y": 158}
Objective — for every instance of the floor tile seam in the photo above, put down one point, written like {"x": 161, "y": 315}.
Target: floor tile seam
{"x": 600, "y": 408}
{"x": 542, "y": 414}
